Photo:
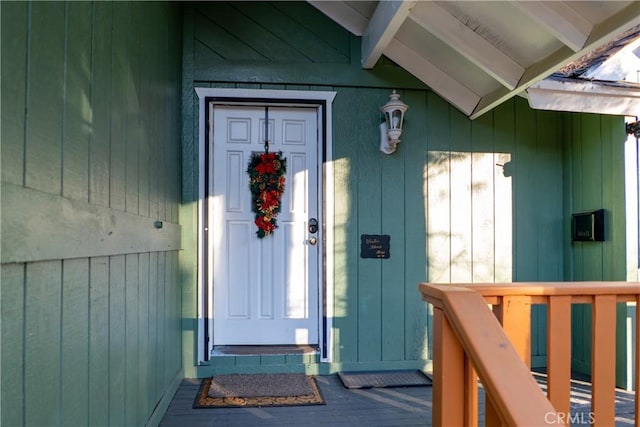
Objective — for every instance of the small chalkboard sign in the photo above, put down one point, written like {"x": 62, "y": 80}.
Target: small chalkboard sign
{"x": 375, "y": 246}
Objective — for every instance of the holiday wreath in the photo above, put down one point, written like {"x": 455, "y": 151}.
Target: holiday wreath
{"x": 266, "y": 182}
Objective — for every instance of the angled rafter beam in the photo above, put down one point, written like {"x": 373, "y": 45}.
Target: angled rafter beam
{"x": 385, "y": 22}
{"x": 560, "y": 20}
{"x": 340, "y": 12}
{"x": 468, "y": 43}
{"x": 441, "y": 83}
{"x": 601, "y": 34}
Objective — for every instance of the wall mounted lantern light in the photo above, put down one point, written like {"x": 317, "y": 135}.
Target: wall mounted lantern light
{"x": 391, "y": 128}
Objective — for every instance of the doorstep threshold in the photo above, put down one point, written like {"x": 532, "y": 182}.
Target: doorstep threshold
{"x": 262, "y": 350}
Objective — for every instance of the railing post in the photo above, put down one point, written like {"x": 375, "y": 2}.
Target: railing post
{"x": 559, "y": 353}
{"x": 448, "y": 373}
{"x": 470, "y": 394}
{"x": 514, "y": 315}
{"x": 603, "y": 360}
{"x": 491, "y": 417}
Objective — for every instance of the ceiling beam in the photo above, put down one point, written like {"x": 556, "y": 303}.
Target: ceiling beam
{"x": 564, "y": 23}
{"x": 601, "y": 34}
{"x": 385, "y": 22}
{"x": 340, "y": 12}
{"x": 439, "y": 81}
{"x": 468, "y": 43}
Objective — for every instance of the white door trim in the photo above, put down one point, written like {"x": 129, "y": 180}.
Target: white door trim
{"x": 322, "y": 101}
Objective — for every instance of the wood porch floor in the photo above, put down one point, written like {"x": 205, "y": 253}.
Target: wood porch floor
{"x": 383, "y": 407}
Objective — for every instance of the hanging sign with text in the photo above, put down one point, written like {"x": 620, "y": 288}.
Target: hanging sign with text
{"x": 375, "y": 246}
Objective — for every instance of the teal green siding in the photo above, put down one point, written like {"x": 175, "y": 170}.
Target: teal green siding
{"x": 462, "y": 201}
{"x": 99, "y": 308}
{"x": 594, "y": 179}
{"x": 90, "y": 159}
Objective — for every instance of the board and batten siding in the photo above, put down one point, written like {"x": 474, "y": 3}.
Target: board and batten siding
{"x": 594, "y": 178}
{"x": 91, "y": 296}
{"x": 494, "y": 199}
{"x": 482, "y": 200}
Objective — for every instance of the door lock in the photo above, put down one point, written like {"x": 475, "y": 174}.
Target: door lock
{"x": 313, "y": 226}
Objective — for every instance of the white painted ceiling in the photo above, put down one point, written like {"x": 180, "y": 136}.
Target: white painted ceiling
{"x": 477, "y": 54}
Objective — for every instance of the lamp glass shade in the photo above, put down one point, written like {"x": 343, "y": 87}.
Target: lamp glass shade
{"x": 394, "y": 111}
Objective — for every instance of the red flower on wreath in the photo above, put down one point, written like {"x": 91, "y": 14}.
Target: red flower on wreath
{"x": 269, "y": 200}
{"x": 266, "y": 182}
{"x": 264, "y": 225}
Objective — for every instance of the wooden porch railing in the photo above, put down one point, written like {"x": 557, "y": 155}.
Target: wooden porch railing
{"x": 471, "y": 342}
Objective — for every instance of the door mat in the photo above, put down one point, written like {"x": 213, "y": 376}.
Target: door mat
{"x": 371, "y": 379}
{"x": 251, "y": 390}
{"x": 244, "y": 350}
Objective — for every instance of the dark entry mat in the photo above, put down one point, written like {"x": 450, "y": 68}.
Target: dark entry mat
{"x": 257, "y": 390}
{"x": 370, "y": 379}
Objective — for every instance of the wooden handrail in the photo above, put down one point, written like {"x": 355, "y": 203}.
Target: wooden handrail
{"x": 468, "y": 338}
{"x": 461, "y": 315}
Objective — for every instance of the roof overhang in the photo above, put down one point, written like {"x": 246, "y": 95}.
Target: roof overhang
{"x": 585, "y": 96}
{"x": 478, "y": 54}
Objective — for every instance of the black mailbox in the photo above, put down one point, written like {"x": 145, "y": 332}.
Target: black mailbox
{"x": 588, "y": 226}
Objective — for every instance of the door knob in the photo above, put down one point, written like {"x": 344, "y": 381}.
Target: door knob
{"x": 312, "y": 241}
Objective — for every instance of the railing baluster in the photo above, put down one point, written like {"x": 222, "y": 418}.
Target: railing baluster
{"x": 448, "y": 373}
{"x": 603, "y": 360}
{"x": 471, "y": 394}
{"x": 559, "y": 352}
{"x": 491, "y": 416}
{"x": 514, "y": 314}
{"x": 516, "y": 322}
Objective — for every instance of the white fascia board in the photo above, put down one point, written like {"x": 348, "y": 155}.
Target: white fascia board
{"x": 588, "y": 97}
{"x": 383, "y": 26}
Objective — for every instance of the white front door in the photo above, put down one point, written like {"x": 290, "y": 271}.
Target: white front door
{"x": 265, "y": 291}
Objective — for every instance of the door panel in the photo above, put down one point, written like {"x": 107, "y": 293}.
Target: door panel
{"x": 265, "y": 291}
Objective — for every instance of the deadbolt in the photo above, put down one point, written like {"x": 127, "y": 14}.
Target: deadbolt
{"x": 313, "y": 226}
